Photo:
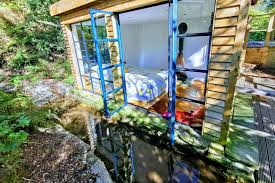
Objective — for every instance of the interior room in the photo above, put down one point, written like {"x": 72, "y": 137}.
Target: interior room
{"x": 145, "y": 46}
{"x": 145, "y": 35}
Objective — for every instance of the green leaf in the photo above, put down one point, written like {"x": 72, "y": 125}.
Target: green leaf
{"x": 24, "y": 121}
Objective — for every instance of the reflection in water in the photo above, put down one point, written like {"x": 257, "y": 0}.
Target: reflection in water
{"x": 130, "y": 159}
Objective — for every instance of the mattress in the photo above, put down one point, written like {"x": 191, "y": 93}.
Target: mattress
{"x": 143, "y": 85}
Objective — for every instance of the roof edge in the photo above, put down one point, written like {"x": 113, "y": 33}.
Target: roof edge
{"x": 63, "y": 6}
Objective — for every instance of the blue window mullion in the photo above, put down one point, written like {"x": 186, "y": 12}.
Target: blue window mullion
{"x": 173, "y": 69}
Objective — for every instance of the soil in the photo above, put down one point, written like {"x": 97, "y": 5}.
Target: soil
{"x": 51, "y": 158}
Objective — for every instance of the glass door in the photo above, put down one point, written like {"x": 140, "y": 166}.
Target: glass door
{"x": 109, "y": 56}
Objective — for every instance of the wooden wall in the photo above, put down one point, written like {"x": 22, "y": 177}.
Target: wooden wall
{"x": 264, "y": 56}
{"x": 230, "y": 25}
{"x": 257, "y": 55}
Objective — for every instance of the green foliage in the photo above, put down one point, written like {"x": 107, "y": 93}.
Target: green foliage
{"x": 18, "y": 115}
{"x": 59, "y": 70}
{"x": 38, "y": 35}
{"x": 260, "y": 22}
{"x": 12, "y": 131}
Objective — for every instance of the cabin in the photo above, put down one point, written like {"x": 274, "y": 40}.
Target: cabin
{"x": 178, "y": 60}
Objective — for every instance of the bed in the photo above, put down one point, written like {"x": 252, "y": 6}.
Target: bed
{"x": 143, "y": 85}
{"x": 146, "y": 86}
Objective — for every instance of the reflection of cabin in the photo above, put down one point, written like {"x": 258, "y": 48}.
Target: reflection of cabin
{"x": 262, "y": 51}
{"x": 205, "y": 83}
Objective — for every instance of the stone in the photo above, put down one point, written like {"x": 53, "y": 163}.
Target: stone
{"x": 190, "y": 136}
{"x": 220, "y": 159}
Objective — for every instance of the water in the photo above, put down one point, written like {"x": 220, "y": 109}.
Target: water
{"x": 131, "y": 156}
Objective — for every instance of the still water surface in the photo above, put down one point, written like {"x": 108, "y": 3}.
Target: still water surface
{"x": 131, "y": 156}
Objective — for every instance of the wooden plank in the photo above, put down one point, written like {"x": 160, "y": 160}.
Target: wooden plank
{"x": 214, "y": 108}
{"x": 67, "y": 5}
{"x": 221, "y": 58}
{"x": 217, "y": 88}
{"x": 212, "y": 120}
{"x": 228, "y": 12}
{"x": 264, "y": 173}
{"x": 242, "y": 20}
{"x": 111, "y": 5}
{"x": 220, "y": 66}
{"x": 223, "y": 49}
{"x": 218, "y": 81}
{"x": 223, "y": 41}
{"x": 228, "y": 3}
{"x": 215, "y": 95}
{"x": 214, "y": 115}
{"x": 226, "y": 22}
{"x": 212, "y": 126}
{"x": 219, "y": 74}
{"x": 271, "y": 157}
{"x": 211, "y": 132}
{"x": 216, "y": 102}
{"x": 228, "y": 31}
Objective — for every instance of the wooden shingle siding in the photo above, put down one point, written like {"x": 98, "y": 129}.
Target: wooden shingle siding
{"x": 219, "y": 74}
{"x": 211, "y": 107}
{"x": 230, "y": 31}
{"x": 218, "y": 88}
{"x": 227, "y": 3}
{"x": 223, "y": 40}
{"x": 227, "y": 12}
{"x": 223, "y": 49}
{"x": 226, "y": 22}
{"x": 230, "y": 23}
{"x": 218, "y": 81}
{"x": 219, "y": 66}
{"x": 216, "y": 95}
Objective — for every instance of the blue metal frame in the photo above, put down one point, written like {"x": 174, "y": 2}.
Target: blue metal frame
{"x": 105, "y": 94}
{"x": 172, "y": 70}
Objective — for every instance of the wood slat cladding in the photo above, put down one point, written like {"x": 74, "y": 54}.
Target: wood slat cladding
{"x": 230, "y": 24}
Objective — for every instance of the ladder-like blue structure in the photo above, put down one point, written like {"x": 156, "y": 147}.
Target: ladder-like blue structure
{"x": 107, "y": 95}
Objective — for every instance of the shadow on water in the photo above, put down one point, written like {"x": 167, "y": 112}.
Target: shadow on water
{"x": 131, "y": 156}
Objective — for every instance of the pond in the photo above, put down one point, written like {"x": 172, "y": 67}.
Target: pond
{"x": 132, "y": 156}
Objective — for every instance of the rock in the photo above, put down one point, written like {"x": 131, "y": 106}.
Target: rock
{"x": 46, "y": 91}
{"x": 7, "y": 87}
{"x": 190, "y": 136}
{"x": 98, "y": 168}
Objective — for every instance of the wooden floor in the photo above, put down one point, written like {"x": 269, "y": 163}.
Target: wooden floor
{"x": 264, "y": 108}
{"x": 256, "y": 85}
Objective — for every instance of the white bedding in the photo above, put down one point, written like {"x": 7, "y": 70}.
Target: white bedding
{"x": 141, "y": 84}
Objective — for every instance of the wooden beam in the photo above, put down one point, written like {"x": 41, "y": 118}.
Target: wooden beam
{"x": 111, "y": 5}
{"x": 67, "y": 5}
{"x": 270, "y": 29}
